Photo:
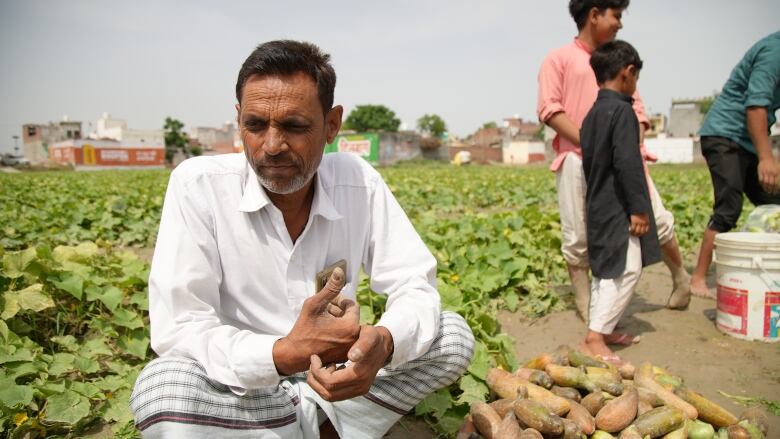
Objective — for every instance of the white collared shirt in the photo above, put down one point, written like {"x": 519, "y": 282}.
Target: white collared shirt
{"x": 227, "y": 281}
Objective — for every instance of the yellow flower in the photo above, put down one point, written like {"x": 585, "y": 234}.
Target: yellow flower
{"x": 20, "y": 418}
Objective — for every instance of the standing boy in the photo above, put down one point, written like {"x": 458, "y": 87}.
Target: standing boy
{"x": 735, "y": 142}
{"x": 567, "y": 90}
{"x": 618, "y": 205}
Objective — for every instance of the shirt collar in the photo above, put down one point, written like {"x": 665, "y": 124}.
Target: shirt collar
{"x": 581, "y": 45}
{"x": 255, "y": 197}
{"x": 612, "y": 94}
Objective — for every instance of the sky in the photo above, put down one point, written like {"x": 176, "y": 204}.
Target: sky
{"x": 469, "y": 62}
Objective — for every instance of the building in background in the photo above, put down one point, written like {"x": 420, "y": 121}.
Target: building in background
{"x": 216, "y": 140}
{"x": 686, "y": 117}
{"x": 657, "y": 125}
{"x": 37, "y": 138}
{"x": 93, "y": 154}
{"x": 108, "y": 127}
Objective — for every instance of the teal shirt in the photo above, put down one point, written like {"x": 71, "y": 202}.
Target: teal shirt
{"x": 754, "y": 82}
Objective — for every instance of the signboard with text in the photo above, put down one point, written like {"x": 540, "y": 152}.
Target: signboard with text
{"x": 365, "y": 145}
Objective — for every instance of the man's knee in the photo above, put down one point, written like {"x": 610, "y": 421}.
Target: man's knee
{"x": 665, "y": 224}
{"x": 454, "y": 345}
{"x": 178, "y": 390}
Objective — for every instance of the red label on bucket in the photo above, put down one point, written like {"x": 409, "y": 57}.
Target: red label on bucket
{"x": 733, "y": 302}
{"x": 772, "y": 314}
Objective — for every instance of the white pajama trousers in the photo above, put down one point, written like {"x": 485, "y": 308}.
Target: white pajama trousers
{"x": 572, "y": 187}
{"x": 609, "y": 297}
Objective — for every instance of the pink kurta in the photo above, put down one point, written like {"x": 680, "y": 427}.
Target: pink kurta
{"x": 567, "y": 84}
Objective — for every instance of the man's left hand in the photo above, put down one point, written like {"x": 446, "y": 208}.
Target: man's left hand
{"x": 768, "y": 175}
{"x": 369, "y": 354}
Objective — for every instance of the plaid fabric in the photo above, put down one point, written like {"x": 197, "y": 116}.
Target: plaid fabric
{"x": 177, "y": 390}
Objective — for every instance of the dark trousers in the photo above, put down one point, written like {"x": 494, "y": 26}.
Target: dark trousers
{"x": 734, "y": 171}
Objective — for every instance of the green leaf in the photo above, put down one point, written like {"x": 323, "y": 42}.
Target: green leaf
{"x": 366, "y": 315}
{"x": 89, "y": 390}
{"x": 436, "y": 403}
{"x": 73, "y": 284}
{"x": 451, "y": 297}
{"x": 86, "y": 365}
{"x": 512, "y": 300}
{"x": 117, "y": 408}
{"x": 111, "y": 297}
{"x": 110, "y": 383}
{"x": 135, "y": 343}
{"x": 14, "y": 264}
{"x": 4, "y": 331}
{"x": 30, "y": 298}
{"x": 481, "y": 362}
{"x": 81, "y": 252}
{"x": 68, "y": 407}
{"x": 473, "y": 390}
{"x": 49, "y": 388}
{"x": 10, "y": 354}
{"x": 68, "y": 342}
{"x": 127, "y": 318}
{"x": 94, "y": 347}
{"x": 15, "y": 396}
{"x": 62, "y": 363}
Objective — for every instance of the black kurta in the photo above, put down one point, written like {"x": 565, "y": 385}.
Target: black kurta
{"x": 616, "y": 185}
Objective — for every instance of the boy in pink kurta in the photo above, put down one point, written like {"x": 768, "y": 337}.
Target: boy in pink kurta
{"x": 567, "y": 91}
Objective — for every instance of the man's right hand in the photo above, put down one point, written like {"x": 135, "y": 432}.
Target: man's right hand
{"x": 329, "y": 325}
{"x": 768, "y": 171}
{"x": 640, "y": 224}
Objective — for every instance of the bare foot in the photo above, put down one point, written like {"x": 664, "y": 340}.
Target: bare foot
{"x": 594, "y": 345}
{"x": 699, "y": 288}
{"x": 619, "y": 338}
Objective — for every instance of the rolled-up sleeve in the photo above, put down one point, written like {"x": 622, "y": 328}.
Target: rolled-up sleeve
{"x": 184, "y": 297}
{"x": 550, "y": 98}
{"x": 400, "y": 266}
{"x": 764, "y": 78}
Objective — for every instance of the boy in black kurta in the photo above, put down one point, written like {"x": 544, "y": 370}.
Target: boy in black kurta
{"x": 619, "y": 212}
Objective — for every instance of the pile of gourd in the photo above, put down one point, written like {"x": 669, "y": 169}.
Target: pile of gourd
{"x": 569, "y": 395}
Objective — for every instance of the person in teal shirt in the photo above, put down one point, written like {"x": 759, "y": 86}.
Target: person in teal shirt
{"x": 735, "y": 143}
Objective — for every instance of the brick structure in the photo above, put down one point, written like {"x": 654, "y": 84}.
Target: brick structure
{"x": 102, "y": 154}
{"x": 37, "y": 138}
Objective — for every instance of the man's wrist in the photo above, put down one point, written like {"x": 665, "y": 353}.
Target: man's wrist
{"x": 284, "y": 358}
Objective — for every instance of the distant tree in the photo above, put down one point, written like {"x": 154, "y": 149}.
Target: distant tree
{"x": 372, "y": 118}
{"x": 175, "y": 138}
{"x": 705, "y": 104}
{"x": 196, "y": 151}
{"x": 490, "y": 124}
{"x": 540, "y": 132}
{"x": 432, "y": 125}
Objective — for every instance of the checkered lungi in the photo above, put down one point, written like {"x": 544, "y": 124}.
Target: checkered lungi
{"x": 174, "y": 398}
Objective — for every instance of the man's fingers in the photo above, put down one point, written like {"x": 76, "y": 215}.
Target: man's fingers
{"x": 368, "y": 340}
{"x": 332, "y": 288}
{"x": 334, "y": 310}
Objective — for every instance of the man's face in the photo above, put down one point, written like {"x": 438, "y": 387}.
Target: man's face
{"x": 606, "y": 24}
{"x": 284, "y": 130}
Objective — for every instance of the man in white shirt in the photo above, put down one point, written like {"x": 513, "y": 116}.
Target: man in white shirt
{"x": 248, "y": 346}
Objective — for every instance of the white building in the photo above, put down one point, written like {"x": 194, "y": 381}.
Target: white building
{"x": 108, "y": 127}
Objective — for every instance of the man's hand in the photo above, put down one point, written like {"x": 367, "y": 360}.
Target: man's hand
{"x": 329, "y": 325}
{"x": 758, "y": 129}
{"x": 368, "y": 355}
{"x": 768, "y": 175}
{"x": 640, "y": 224}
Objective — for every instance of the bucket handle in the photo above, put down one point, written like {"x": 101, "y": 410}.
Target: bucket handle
{"x": 771, "y": 284}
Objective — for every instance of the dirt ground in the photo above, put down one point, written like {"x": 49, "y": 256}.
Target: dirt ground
{"x": 687, "y": 343}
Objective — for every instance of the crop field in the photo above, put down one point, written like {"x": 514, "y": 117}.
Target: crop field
{"x": 73, "y": 326}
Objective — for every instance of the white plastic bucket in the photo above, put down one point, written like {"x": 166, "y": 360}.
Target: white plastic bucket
{"x": 748, "y": 272}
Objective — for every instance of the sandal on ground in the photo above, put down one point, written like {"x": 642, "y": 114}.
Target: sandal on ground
{"x": 623, "y": 339}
